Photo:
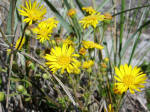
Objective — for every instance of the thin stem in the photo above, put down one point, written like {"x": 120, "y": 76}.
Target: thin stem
{"x": 130, "y": 10}
{"x": 108, "y": 86}
{"x": 122, "y": 20}
{"x": 115, "y": 34}
{"x": 120, "y": 101}
{"x": 4, "y": 37}
{"x": 8, "y": 84}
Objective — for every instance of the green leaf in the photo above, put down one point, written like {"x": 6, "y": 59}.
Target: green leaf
{"x": 28, "y": 99}
{"x": 11, "y": 17}
{"x": 13, "y": 94}
{"x": 122, "y": 20}
{"x": 138, "y": 37}
{"x": 30, "y": 84}
{"x": 76, "y": 26}
{"x": 80, "y": 5}
{"x": 129, "y": 40}
{"x": 67, "y": 4}
{"x": 15, "y": 79}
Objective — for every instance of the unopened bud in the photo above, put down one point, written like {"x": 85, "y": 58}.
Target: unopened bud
{"x": 20, "y": 88}
{"x": 2, "y": 96}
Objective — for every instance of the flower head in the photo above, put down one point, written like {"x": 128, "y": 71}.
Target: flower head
{"x": 89, "y": 10}
{"x": 33, "y": 12}
{"x": 77, "y": 70}
{"x": 82, "y": 51}
{"x": 90, "y": 44}
{"x": 107, "y": 16}
{"x": 62, "y": 58}
{"x": 103, "y": 65}
{"x": 91, "y": 20}
{"x": 106, "y": 60}
{"x": 88, "y": 64}
{"x": 116, "y": 90}
{"x": 129, "y": 78}
{"x": 22, "y": 43}
{"x": 71, "y": 12}
{"x": 44, "y": 29}
{"x": 67, "y": 41}
{"x": 50, "y": 22}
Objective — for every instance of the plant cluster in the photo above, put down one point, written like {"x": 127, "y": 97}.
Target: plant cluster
{"x": 71, "y": 70}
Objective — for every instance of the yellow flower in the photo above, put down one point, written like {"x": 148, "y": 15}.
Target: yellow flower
{"x": 50, "y": 22}
{"x": 116, "y": 90}
{"x": 76, "y": 70}
{"x": 44, "y": 29}
{"x": 107, "y": 16}
{"x": 90, "y": 44}
{"x": 103, "y": 65}
{"x": 22, "y": 43}
{"x": 33, "y": 12}
{"x": 110, "y": 109}
{"x": 71, "y": 12}
{"x": 91, "y": 20}
{"x": 89, "y": 10}
{"x": 67, "y": 41}
{"x": 82, "y": 51}
{"x": 106, "y": 60}
{"x": 17, "y": 44}
{"x": 62, "y": 58}
{"x": 88, "y": 64}
{"x": 129, "y": 78}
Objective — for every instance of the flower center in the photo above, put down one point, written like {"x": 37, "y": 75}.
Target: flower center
{"x": 33, "y": 14}
{"x": 63, "y": 60}
{"x": 129, "y": 79}
{"x": 92, "y": 18}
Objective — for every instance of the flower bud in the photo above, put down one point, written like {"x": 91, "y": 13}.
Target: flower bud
{"x": 71, "y": 12}
{"x": 20, "y": 88}
{"x": 2, "y": 96}
{"x": 106, "y": 60}
{"x": 46, "y": 76}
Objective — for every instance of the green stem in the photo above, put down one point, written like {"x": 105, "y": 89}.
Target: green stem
{"x": 134, "y": 47}
{"x": 122, "y": 19}
{"x": 8, "y": 84}
{"x": 120, "y": 101}
{"x": 109, "y": 90}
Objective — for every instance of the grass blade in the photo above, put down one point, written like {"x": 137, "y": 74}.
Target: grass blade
{"x": 136, "y": 40}
{"x": 122, "y": 20}
{"x": 102, "y": 5}
{"x": 11, "y": 17}
{"x": 80, "y": 5}
{"x": 129, "y": 40}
